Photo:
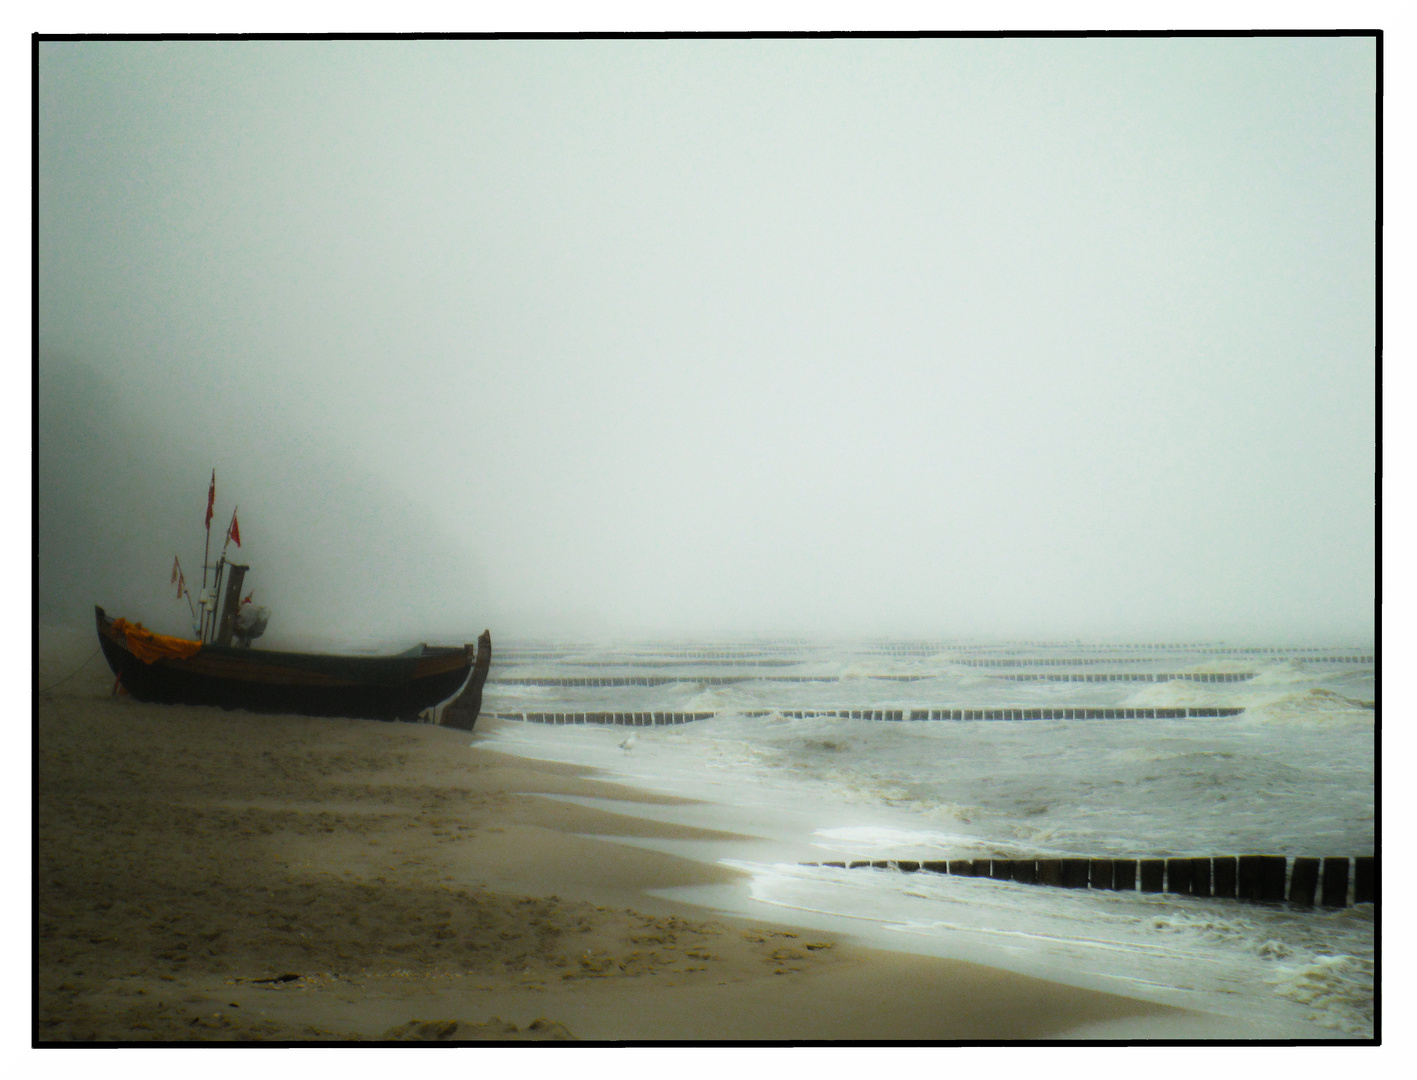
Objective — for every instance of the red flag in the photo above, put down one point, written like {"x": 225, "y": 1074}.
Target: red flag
{"x": 234, "y": 533}
{"x": 248, "y": 596}
{"x": 175, "y": 570}
{"x": 211, "y": 499}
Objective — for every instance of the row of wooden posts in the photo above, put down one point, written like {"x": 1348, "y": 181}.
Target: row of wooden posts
{"x": 733, "y": 680}
{"x": 623, "y": 719}
{"x": 1056, "y": 713}
{"x": 649, "y": 652}
{"x": 1077, "y": 661}
{"x": 1095, "y": 677}
{"x": 657, "y": 719}
{"x": 1304, "y": 652}
{"x": 740, "y": 662}
{"x": 936, "y": 647}
{"x": 1134, "y": 676}
{"x": 943, "y": 649}
{"x": 971, "y": 662}
{"x": 660, "y": 680}
{"x": 1302, "y": 881}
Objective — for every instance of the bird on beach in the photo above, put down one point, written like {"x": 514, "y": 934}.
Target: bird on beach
{"x": 628, "y": 744}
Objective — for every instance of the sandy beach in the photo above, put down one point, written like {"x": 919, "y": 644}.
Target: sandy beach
{"x": 220, "y": 876}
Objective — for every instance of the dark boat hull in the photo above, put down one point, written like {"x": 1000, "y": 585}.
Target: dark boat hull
{"x": 309, "y": 684}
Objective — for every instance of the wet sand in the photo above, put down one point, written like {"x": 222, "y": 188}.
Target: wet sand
{"x": 208, "y": 875}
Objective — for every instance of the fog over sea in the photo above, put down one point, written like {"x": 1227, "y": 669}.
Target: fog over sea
{"x": 1291, "y": 774}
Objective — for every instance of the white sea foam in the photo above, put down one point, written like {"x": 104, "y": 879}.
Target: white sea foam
{"x": 1311, "y": 706}
{"x": 1336, "y": 989}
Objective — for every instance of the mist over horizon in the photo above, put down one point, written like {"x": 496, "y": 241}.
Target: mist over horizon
{"x": 1059, "y": 338}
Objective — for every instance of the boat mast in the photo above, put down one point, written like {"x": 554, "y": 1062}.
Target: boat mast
{"x": 214, "y": 626}
{"x": 196, "y": 625}
{"x": 215, "y": 599}
{"x": 206, "y": 554}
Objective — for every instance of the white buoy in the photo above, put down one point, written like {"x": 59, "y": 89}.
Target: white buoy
{"x": 628, "y": 744}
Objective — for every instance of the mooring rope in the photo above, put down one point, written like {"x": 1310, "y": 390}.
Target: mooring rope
{"x": 71, "y": 674}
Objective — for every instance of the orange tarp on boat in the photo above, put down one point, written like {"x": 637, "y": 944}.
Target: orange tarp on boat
{"x": 147, "y": 646}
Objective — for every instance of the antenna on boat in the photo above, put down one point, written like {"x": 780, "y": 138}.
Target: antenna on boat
{"x": 206, "y": 555}
{"x": 215, "y": 598}
{"x": 217, "y": 627}
{"x": 182, "y": 591}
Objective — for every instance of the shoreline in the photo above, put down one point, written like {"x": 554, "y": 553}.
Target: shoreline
{"x": 213, "y": 876}
{"x": 759, "y": 848}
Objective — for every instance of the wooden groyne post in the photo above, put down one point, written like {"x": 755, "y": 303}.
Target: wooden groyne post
{"x": 1335, "y": 888}
{"x": 1304, "y": 882}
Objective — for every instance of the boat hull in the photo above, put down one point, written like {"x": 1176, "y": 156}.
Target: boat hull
{"x": 309, "y": 684}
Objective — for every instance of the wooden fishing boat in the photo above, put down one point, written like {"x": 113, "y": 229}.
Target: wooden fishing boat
{"x": 152, "y": 667}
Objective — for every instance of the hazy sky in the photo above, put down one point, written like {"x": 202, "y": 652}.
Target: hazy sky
{"x": 941, "y": 337}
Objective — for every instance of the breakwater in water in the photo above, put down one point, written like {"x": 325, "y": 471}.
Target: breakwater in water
{"x": 734, "y": 680}
{"x": 1331, "y": 881}
{"x": 655, "y": 719}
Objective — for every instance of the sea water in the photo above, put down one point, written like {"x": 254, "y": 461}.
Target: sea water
{"x": 1293, "y": 774}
